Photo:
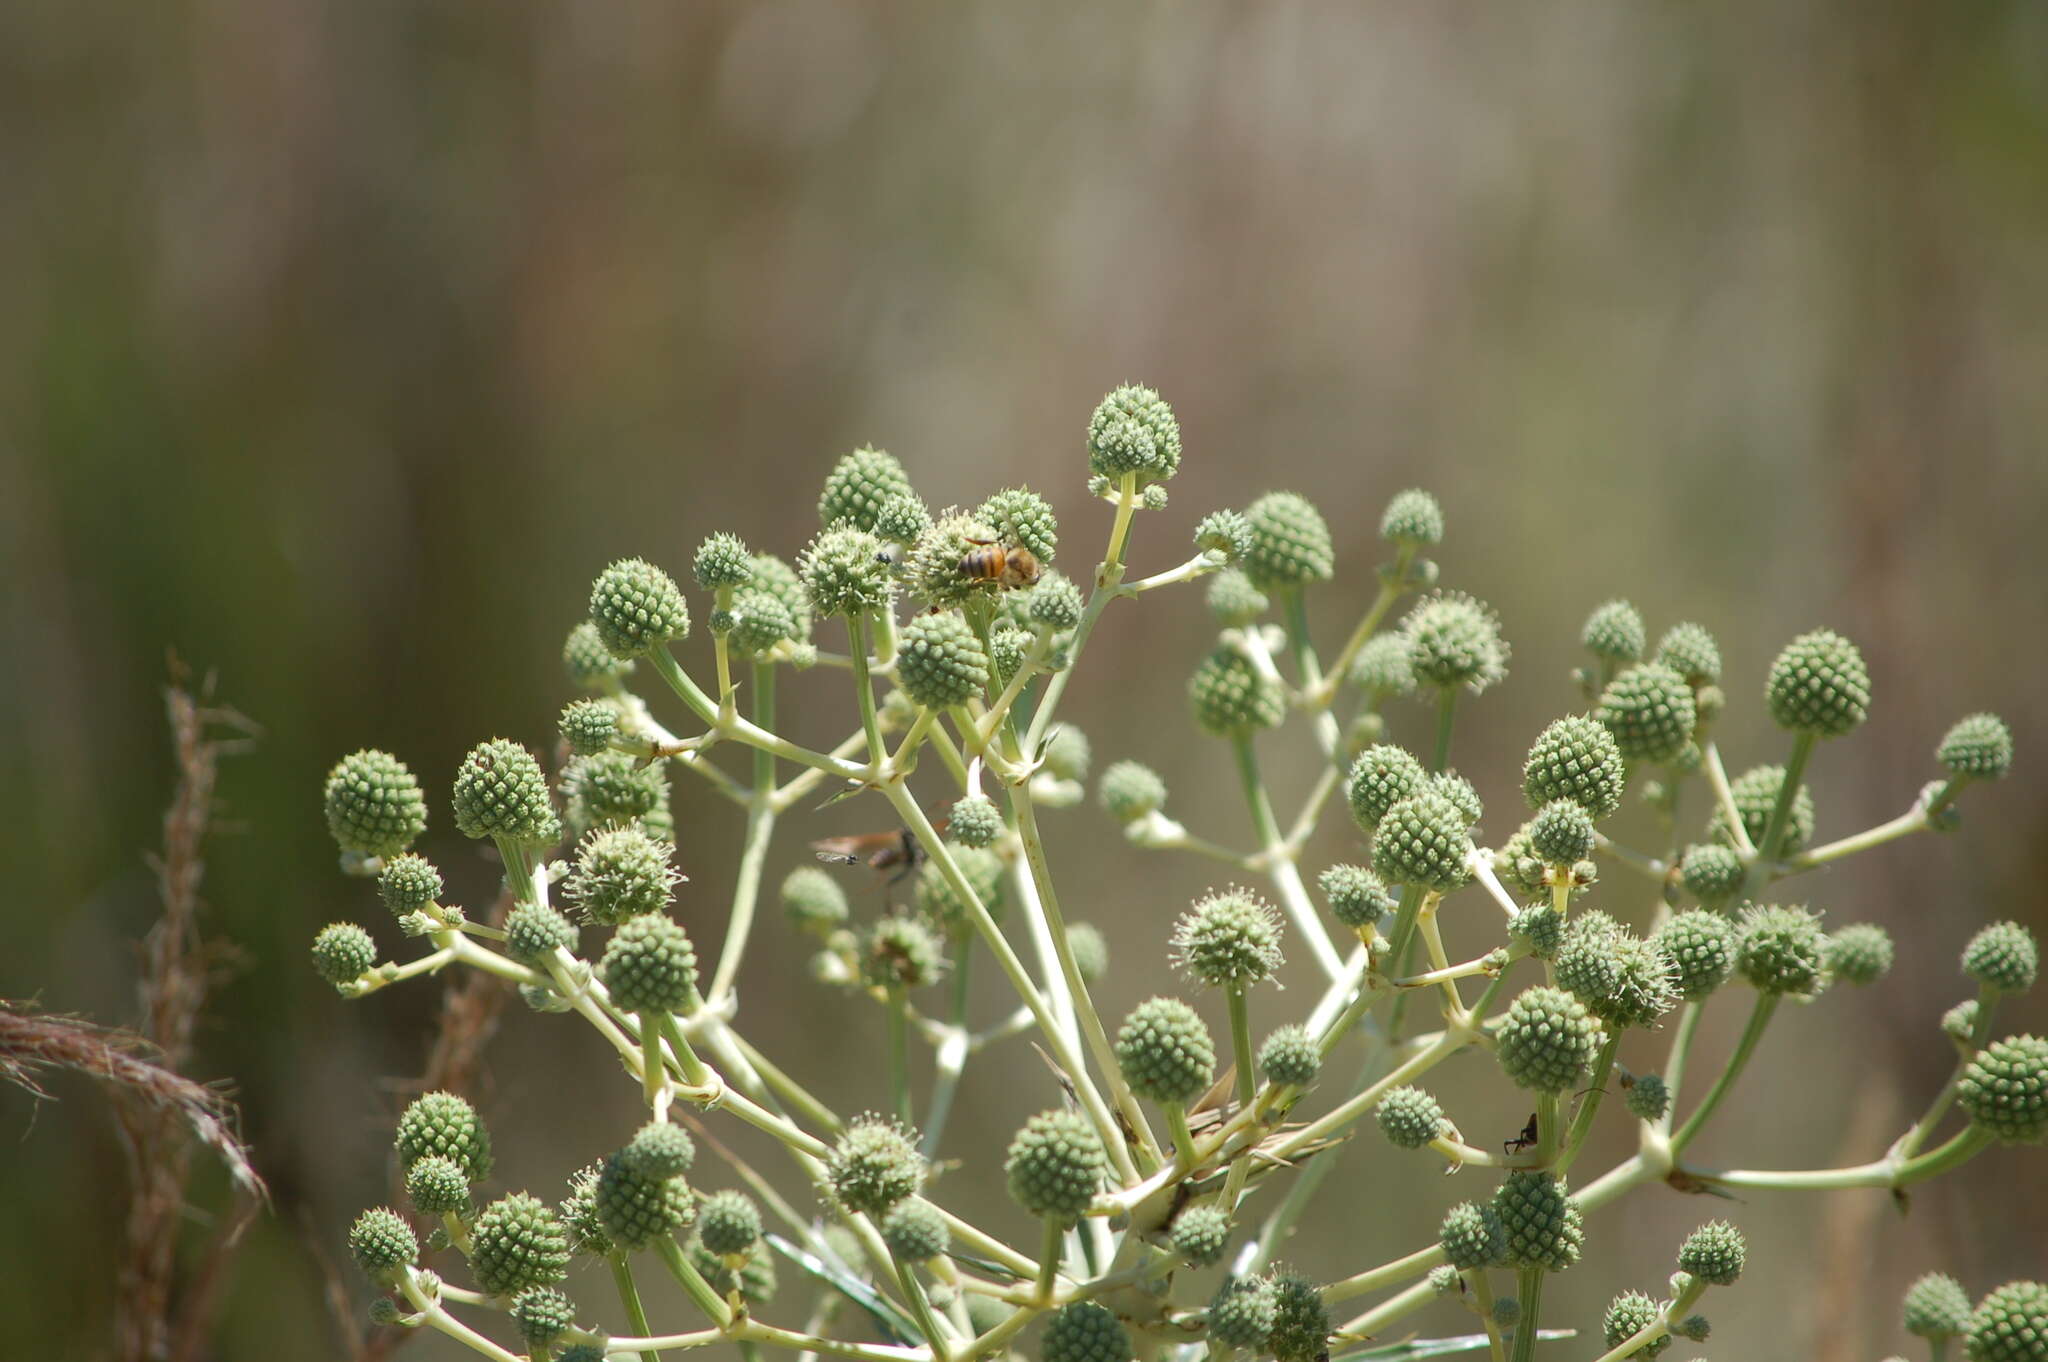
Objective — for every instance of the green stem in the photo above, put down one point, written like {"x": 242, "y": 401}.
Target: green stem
{"x": 1681, "y": 1050}
{"x": 692, "y": 1281}
{"x": 1766, "y": 1004}
{"x": 1383, "y": 602}
{"x": 1724, "y": 797}
{"x": 1286, "y": 878}
{"x": 1549, "y": 1120}
{"x": 899, "y": 1056}
{"x": 1529, "y": 1286}
{"x": 1911, "y": 821}
{"x": 1910, "y": 1142}
{"x": 1582, "y": 1120}
{"x": 1050, "y": 1241}
{"x": 1965, "y": 1144}
{"x": 653, "y": 1070}
{"x": 1183, "y": 1139}
{"x": 629, "y": 1296}
{"x": 949, "y": 1065}
{"x": 1781, "y": 813}
{"x": 1241, "y": 1046}
{"x": 863, "y": 687}
{"x": 1446, "y": 713}
{"x": 1387, "y": 1274}
{"x": 1108, "y": 576}
{"x": 746, "y": 895}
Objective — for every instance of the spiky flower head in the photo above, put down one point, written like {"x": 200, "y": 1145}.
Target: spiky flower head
{"x": 1711, "y": 872}
{"x": 374, "y": 804}
{"x": 1067, "y": 753}
{"x": 1231, "y": 696}
{"x": 2011, "y": 1325}
{"x": 1544, "y": 1225}
{"x": 343, "y": 953}
{"x": 2003, "y": 956}
{"x": 1819, "y": 685}
{"x": 983, "y": 871}
{"x": 1614, "y": 632}
{"x": 1290, "y": 542}
{"x": 940, "y": 662}
{"x": 1472, "y": 1237}
{"x": 729, "y": 1223}
{"x": 1290, "y": 1056}
{"x": 611, "y": 789}
{"x": 1382, "y": 668}
{"x": 1409, "y": 1117}
{"x": 1165, "y": 1051}
{"x": 436, "y": 1185}
{"x": 859, "y": 485}
{"x": 874, "y": 1165}
{"x": 659, "y": 1150}
{"x": 1455, "y": 640}
{"x": 1648, "y": 1098}
{"x": 620, "y": 873}
{"x": 589, "y": 664}
{"x": 1241, "y": 1314}
{"x": 1959, "y": 1024}
{"x": 501, "y": 793}
{"x": 1575, "y": 758}
{"x": 1357, "y": 897}
{"x": 1022, "y": 517}
{"x": 2005, "y": 1089}
{"x": 976, "y": 821}
{"x": 1412, "y": 519}
{"x": 1782, "y": 950}
{"x": 1090, "y": 951}
{"x": 1462, "y": 794}
{"x": 650, "y": 966}
{"x": 444, "y": 1124}
{"x": 409, "y": 883}
{"x": 915, "y": 1230}
{"x": 1649, "y": 710}
{"x": 1547, "y": 1039}
{"x": 542, "y": 1314}
{"x": 1224, "y": 532}
{"x": 1233, "y": 600}
{"x": 1422, "y": 841}
{"x": 933, "y": 568}
{"x": 634, "y": 1208}
{"x": 1628, "y": 1315}
{"x": 1714, "y": 1253}
{"x": 1755, "y": 793}
{"x": 1085, "y": 1332}
{"x": 1200, "y": 1234}
{"x": 900, "y": 519}
{"x": 1542, "y": 927}
{"x": 1133, "y": 431}
{"x": 758, "y": 620}
{"x": 1229, "y": 939}
{"x": 723, "y": 562}
{"x": 637, "y": 608}
{"x": 588, "y": 726}
{"x": 780, "y": 580}
{"x": 382, "y": 1244}
{"x": 900, "y": 950}
{"x": 1055, "y": 1165}
{"x": 1978, "y": 747}
{"x": 1130, "y": 790}
{"x": 1055, "y": 603}
{"x": 1622, "y": 979}
{"x": 844, "y": 573}
{"x": 1519, "y": 866}
{"x": 1008, "y": 644}
{"x": 518, "y": 1242}
{"x": 1860, "y": 953}
{"x": 535, "y": 931}
{"x": 1935, "y": 1306}
{"x": 1301, "y": 1321}
{"x": 1382, "y": 776}
{"x": 1701, "y": 947}
{"x": 1690, "y": 650}
{"x": 1561, "y": 833}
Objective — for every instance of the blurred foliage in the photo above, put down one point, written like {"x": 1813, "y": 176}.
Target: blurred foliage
{"x": 342, "y": 344}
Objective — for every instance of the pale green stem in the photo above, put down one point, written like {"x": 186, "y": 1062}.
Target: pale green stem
{"x": 1910, "y": 1142}
{"x": 1681, "y": 1050}
{"x": 743, "y": 730}
{"x": 439, "y": 1319}
{"x": 1482, "y": 1300}
{"x": 390, "y": 973}
{"x": 692, "y": 1281}
{"x": 1648, "y": 866}
{"x": 1887, "y": 1172}
{"x": 653, "y": 1071}
{"x": 1549, "y": 1126}
{"x": 863, "y": 688}
{"x": 692, "y": 1068}
{"x": 920, "y": 1308}
{"x": 1761, "y": 870}
{"x": 629, "y": 1296}
{"x": 1529, "y": 1288}
{"x": 1050, "y": 1241}
{"x": 1183, "y": 1139}
{"x": 899, "y": 1056}
{"x": 1582, "y": 1121}
{"x": 754, "y": 849}
{"x": 1911, "y": 821}
{"x": 1326, "y": 691}
{"x": 1107, "y": 578}
{"x": 1446, "y": 714}
{"x": 1766, "y": 1004}
{"x": 1724, "y": 797}
{"x": 1387, "y": 1274}
{"x": 951, "y": 1059}
{"x": 1280, "y": 861}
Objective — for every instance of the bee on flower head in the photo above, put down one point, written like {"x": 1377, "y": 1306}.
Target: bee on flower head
{"x": 1007, "y": 566}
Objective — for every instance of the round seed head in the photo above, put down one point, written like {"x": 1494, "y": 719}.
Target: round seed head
{"x": 1819, "y": 685}
{"x": 1472, "y": 1237}
{"x": 1290, "y": 542}
{"x": 2003, "y": 956}
{"x": 1695, "y": 1327}
{"x": 637, "y": 608}
{"x": 758, "y": 620}
{"x": 1711, "y": 872}
{"x": 659, "y": 1150}
{"x": 1507, "y": 1311}
{"x": 1978, "y": 747}
{"x": 858, "y": 487}
{"x": 1055, "y": 603}
{"x": 620, "y": 873}
{"x": 1201, "y": 1234}
{"x": 1382, "y": 668}
{"x": 1648, "y": 1098}
{"x": 915, "y": 1230}
{"x": 1290, "y": 1056}
{"x": 1133, "y": 431}
{"x": 1090, "y": 951}
{"x": 1547, "y": 1040}
{"x": 1701, "y": 947}
{"x": 813, "y": 900}
{"x": 1631, "y": 1313}
{"x": 1561, "y": 833}
{"x": 940, "y": 661}
{"x": 1413, "y": 519}
{"x": 1860, "y": 953}
{"x": 1233, "y": 600}
{"x": 436, "y": 1185}
{"x": 1357, "y": 897}
{"x": 534, "y": 931}
{"x": 1301, "y": 1322}
{"x": 1575, "y": 758}
{"x": 1649, "y": 710}
{"x": 542, "y": 1315}
{"x": 1782, "y": 950}
{"x": 1231, "y": 696}
{"x": 1519, "y": 867}
{"x": 1007, "y": 646}
{"x": 1230, "y": 939}
{"x": 1067, "y": 753}
{"x": 501, "y": 793}
{"x": 874, "y": 1165}
{"x": 1936, "y": 1306}
{"x": 1409, "y": 1117}
{"x": 634, "y": 1209}
{"x": 444, "y": 1124}
{"x": 1241, "y": 1315}
{"x": 375, "y": 806}
{"x": 1224, "y": 532}
{"x": 650, "y": 966}
{"x": 844, "y": 572}
{"x": 1055, "y": 1165}
{"x": 1131, "y": 790}
{"x": 589, "y": 726}
{"x": 589, "y": 663}
{"x": 2011, "y": 1325}
{"x": 983, "y": 871}
{"x": 1455, "y": 640}
{"x": 1544, "y": 1225}
{"x": 1165, "y": 1052}
{"x": 1382, "y": 776}
{"x": 382, "y": 1244}
{"x": 343, "y": 953}
{"x": 1755, "y": 793}
{"x": 1022, "y": 517}
{"x": 1713, "y": 1253}
{"x": 728, "y": 1223}
{"x": 518, "y": 1242}
{"x": 2005, "y": 1089}
{"x": 1614, "y": 631}
{"x": 1690, "y": 650}
{"x": 1422, "y": 841}
{"x": 408, "y": 883}
{"x": 900, "y": 951}
{"x": 1085, "y": 1332}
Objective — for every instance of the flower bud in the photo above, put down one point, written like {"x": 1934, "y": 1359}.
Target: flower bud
{"x": 1224, "y": 532}
{"x": 659, "y": 1150}
{"x": 1382, "y": 776}
{"x": 1544, "y": 1225}
{"x": 1936, "y": 1307}
{"x": 588, "y": 726}
{"x": 637, "y": 608}
{"x": 1067, "y": 753}
{"x": 1134, "y": 431}
{"x": 1860, "y": 953}
{"x": 343, "y": 953}
{"x": 542, "y": 1314}
{"x": 1711, "y": 872}
{"x": 1229, "y": 939}
{"x": 1290, "y": 1057}
{"x": 1233, "y": 600}
{"x": 1473, "y": 1238}
{"x": 983, "y": 871}
{"x": 874, "y": 1165}
{"x": 1055, "y": 1165}
{"x": 1085, "y": 1332}
{"x": 1630, "y": 1313}
{"x": 1290, "y": 543}
{"x": 1649, "y": 710}
{"x": 2011, "y": 1324}
{"x": 1819, "y": 685}
{"x": 858, "y": 487}
{"x": 1690, "y": 650}
{"x": 1200, "y": 1234}
{"x": 1021, "y": 517}
{"x": 729, "y": 1223}
{"x": 723, "y": 562}
{"x": 1755, "y": 793}
{"x": 518, "y": 1242}
{"x": 589, "y": 663}
{"x": 1091, "y": 953}
{"x": 444, "y": 1124}
{"x": 1561, "y": 833}
{"x": 915, "y": 1230}
{"x": 844, "y": 573}
{"x": 1413, "y": 520}
{"x": 1131, "y": 790}
{"x": 1422, "y": 841}
{"x": 1576, "y": 759}
{"x": 940, "y": 662}
{"x": 1978, "y": 747}
{"x": 436, "y": 1185}
{"x": 1356, "y": 896}
{"x": 1382, "y": 668}
{"x": 1301, "y": 1321}
{"x": 1241, "y": 1315}
{"x": 1648, "y": 1098}
{"x": 1409, "y": 1117}
{"x": 1055, "y": 603}
{"x": 1614, "y": 632}
{"x": 534, "y": 931}
{"x": 1454, "y": 640}
{"x": 1165, "y": 1052}
{"x": 2005, "y": 1089}
{"x": 1782, "y": 950}
{"x": 2004, "y": 957}
{"x": 900, "y": 951}
{"x": 635, "y": 1209}
{"x": 501, "y": 793}
{"x": 1713, "y": 1253}
{"x": 1701, "y": 947}
{"x": 650, "y": 966}
{"x": 1546, "y": 1040}
{"x": 374, "y": 804}
{"x": 620, "y": 873}
{"x": 1232, "y": 696}
{"x": 383, "y": 1245}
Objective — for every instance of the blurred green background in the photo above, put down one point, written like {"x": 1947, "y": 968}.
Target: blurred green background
{"x": 340, "y": 344}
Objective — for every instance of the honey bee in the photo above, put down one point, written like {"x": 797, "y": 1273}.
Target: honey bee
{"x": 896, "y": 851}
{"x": 1002, "y": 564}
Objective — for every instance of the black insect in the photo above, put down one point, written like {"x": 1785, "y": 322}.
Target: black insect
{"x": 1528, "y": 1137}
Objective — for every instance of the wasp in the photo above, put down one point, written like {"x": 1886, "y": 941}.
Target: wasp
{"x": 897, "y": 851}
{"x": 1002, "y": 564}
{"x": 1528, "y": 1137}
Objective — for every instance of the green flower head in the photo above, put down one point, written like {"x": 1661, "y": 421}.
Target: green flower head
{"x": 1290, "y": 544}
{"x": 1134, "y": 431}
{"x": 1455, "y": 640}
{"x": 1614, "y": 632}
{"x": 375, "y": 806}
{"x": 1229, "y": 939}
{"x": 637, "y": 608}
{"x": 859, "y": 486}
